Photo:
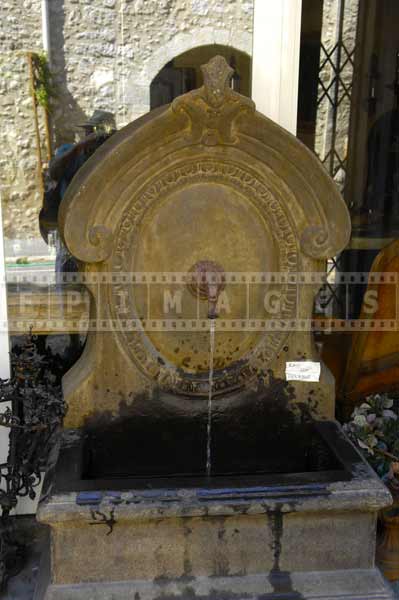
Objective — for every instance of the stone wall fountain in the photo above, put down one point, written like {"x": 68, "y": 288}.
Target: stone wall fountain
{"x": 189, "y": 466}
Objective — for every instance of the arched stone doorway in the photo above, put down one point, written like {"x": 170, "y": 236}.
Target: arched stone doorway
{"x": 183, "y": 73}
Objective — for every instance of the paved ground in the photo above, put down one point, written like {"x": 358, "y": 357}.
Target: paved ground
{"x": 29, "y": 257}
{"x": 22, "y": 586}
{"x": 18, "y": 248}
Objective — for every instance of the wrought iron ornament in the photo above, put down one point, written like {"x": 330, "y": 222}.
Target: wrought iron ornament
{"x": 36, "y": 412}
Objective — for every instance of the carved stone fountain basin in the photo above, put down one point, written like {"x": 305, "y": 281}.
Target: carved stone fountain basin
{"x": 205, "y": 187}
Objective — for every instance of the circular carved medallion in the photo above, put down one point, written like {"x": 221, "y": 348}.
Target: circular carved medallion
{"x": 201, "y": 212}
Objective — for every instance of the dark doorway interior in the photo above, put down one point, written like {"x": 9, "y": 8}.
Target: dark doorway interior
{"x": 183, "y": 73}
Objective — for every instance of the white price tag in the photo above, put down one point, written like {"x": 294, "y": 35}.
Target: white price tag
{"x": 302, "y": 370}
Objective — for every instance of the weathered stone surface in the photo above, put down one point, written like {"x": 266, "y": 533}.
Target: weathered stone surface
{"x": 107, "y": 64}
{"x": 110, "y": 65}
{"x": 20, "y": 23}
{"x": 215, "y": 161}
{"x": 309, "y": 540}
{"x": 208, "y": 545}
{"x": 328, "y": 585}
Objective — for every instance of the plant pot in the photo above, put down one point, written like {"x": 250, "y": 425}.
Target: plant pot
{"x": 387, "y": 555}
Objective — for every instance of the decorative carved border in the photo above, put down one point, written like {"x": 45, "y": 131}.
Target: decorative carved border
{"x": 252, "y": 186}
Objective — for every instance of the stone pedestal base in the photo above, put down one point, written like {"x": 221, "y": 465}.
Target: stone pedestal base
{"x": 287, "y": 537}
{"x": 335, "y": 585}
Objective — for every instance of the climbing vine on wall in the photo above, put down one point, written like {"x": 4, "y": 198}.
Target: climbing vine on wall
{"x": 42, "y": 92}
{"x": 42, "y": 83}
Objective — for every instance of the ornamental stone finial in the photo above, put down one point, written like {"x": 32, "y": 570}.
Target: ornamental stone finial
{"x": 217, "y": 75}
{"x": 213, "y": 108}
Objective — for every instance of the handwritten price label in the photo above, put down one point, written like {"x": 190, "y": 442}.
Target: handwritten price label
{"x": 303, "y": 370}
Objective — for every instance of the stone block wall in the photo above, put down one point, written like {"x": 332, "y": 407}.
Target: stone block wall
{"x": 20, "y": 32}
{"x": 104, "y": 55}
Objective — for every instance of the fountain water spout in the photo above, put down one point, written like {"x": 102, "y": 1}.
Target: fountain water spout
{"x": 207, "y": 279}
{"x": 206, "y": 282}
{"x": 213, "y": 295}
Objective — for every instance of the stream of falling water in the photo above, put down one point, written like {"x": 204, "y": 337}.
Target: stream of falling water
{"x": 209, "y": 424}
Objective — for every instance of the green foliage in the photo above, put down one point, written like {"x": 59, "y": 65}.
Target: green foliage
{"x": 42, "y": 84}
{"x": 374, "y": 428}
{"x": 22, "y": 260}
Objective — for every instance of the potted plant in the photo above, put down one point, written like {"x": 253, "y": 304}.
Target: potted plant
{"x": 374, "y": 428}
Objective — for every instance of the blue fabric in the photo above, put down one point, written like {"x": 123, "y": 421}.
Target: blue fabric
{"x": 63, "y": 149}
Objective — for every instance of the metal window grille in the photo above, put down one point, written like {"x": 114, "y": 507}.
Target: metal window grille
{"x": 335, "y": 83}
